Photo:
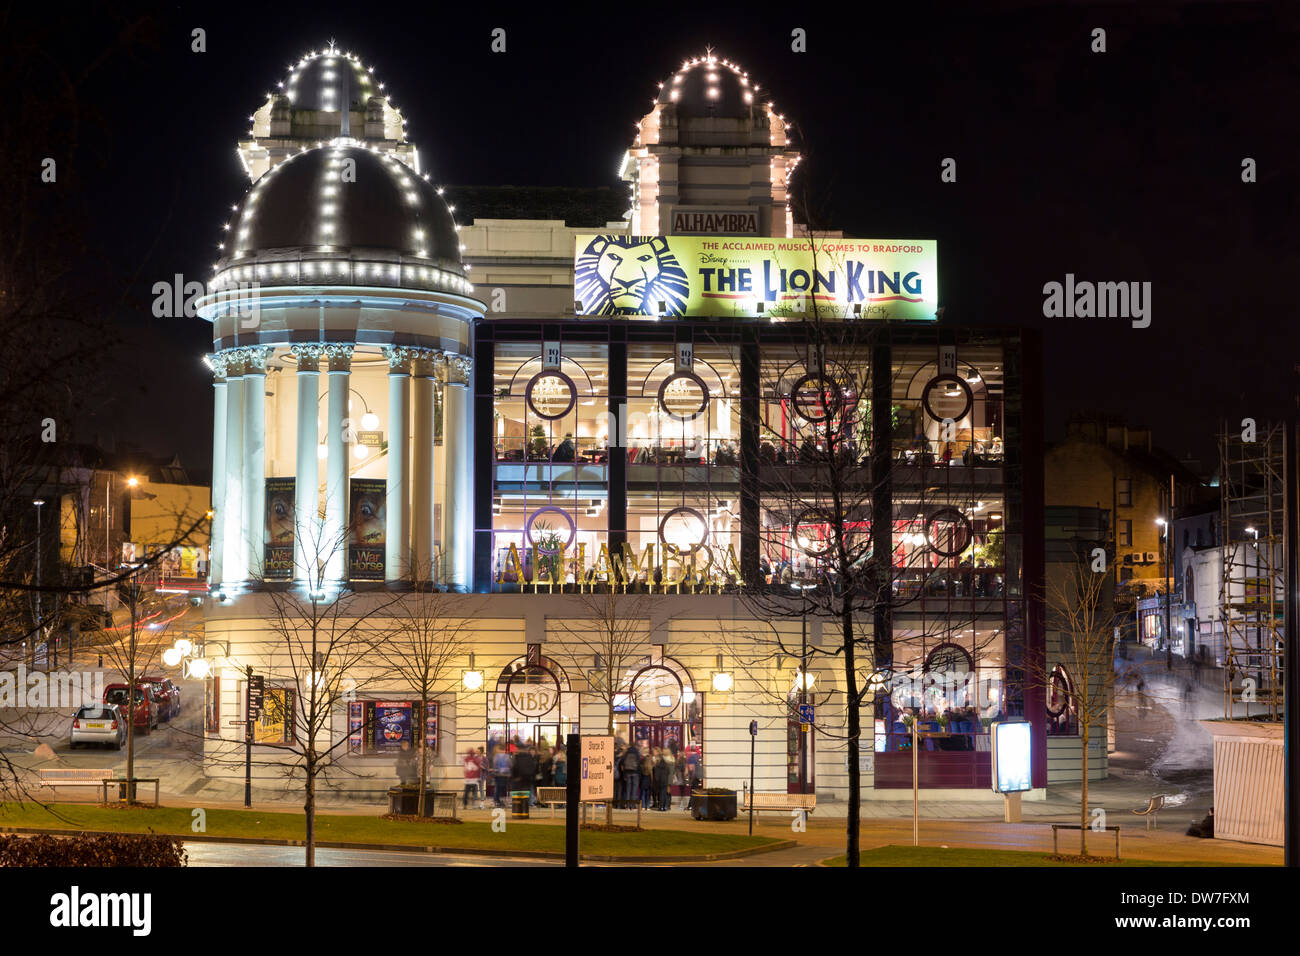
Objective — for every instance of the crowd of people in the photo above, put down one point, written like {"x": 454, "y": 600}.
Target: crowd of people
{"x": 644, "y": 775}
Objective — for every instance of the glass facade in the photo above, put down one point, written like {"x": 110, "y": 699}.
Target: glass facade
{"x": 694, "y": 458}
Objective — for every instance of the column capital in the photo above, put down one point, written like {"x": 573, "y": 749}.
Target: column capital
{"x": 399, "y": 359}
{"x": 218, "y": 362}
{"x": 246, "y": 359}
{"x": 339, "y": 356}
{"x": 308, "y": 355}
{"x": 425, "y": 363}
{"x": 458, "y": 368}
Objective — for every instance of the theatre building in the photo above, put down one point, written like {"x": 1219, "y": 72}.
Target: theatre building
{"x": 555, "y": 419}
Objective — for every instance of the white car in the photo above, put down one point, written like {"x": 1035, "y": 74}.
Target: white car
{"x": 98, "y": 724}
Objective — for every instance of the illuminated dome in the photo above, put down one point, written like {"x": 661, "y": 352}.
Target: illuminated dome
{"x": 317, "y": 82}
{"x": 307, "y": 107}
{"x": 709, "y": 87}
{"x": 314, "y": 218}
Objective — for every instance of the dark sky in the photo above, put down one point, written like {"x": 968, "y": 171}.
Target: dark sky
{"x": 1115, "y": 166}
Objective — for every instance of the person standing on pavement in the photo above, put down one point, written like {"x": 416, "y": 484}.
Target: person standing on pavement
{"x": 481, "y": 759}
{"x": 525, "y": 775}
{"x": 472, "y": 773}
{"x": 647, "y": 776}
{"x": 502, "y": 766}
{"x": 560, "y": 769}
{"x": 631, "y": 766}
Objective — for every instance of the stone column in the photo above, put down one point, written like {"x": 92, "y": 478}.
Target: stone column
{"x": 234, "y": 553}
{"x": 306, "y": 488}
{"x": 397, "y": 554}
{"x": 255, "y": 458}
{"x": 216, "y": 526}
{"x": 457, "y": 440}
{"x": 424, "y": 371}
{"x": 333, "y": 544}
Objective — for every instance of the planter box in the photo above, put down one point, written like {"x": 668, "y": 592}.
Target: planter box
{"x": 713, "y": 806}
{"x": 405, "y": 801}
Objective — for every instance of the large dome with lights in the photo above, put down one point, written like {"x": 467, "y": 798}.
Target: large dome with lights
{"x": 709, "y": 87}
{"x": 345, "y": 213}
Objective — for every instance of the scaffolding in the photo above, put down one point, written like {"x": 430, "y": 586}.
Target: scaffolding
{"x": 1251, "y": 586}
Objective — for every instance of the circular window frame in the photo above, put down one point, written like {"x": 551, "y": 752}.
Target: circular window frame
{"x": 528, "y": 529}
{"x": 694, "y": 513}
{"x": 798, "y": 522}
{"x": 835, "y": 390}
{"x": 938, "y": 380}
{"x": 681, "y": 691}
{"x": 1059, "y": 677}
{"x": 704, "y": 402}
{"x": 533, "y": 669}
{"x": 965, "y": 523}
{"x": 548, "y": 373}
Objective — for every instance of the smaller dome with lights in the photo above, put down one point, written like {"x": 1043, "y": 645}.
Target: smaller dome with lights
{"x": 320, "y": 81}
{"x": 710, "y": 87}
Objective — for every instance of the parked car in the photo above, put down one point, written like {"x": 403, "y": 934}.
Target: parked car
{"x": 167, "y": 694}
{"x": 144, "y": 708}
{"x": 98, "y": 724}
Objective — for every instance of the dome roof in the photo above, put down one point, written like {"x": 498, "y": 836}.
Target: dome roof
{"x": 709, "y": 87}
{"x": 313, "y": 201}
{"x": 316, "y": 82}
{"x": 317, "y": 218}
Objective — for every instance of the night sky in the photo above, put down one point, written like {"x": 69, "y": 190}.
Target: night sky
{"x": 1120, "y": 166}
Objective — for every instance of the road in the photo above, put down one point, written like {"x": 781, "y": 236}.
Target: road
{"x": 226, "y": 854}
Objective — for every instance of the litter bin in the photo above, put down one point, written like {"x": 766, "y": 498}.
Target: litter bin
{"x": 519, "y": 803}
{"x": 121, "y": 790}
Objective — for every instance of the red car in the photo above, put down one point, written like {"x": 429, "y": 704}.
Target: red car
{"x": 144, "y": 707}
{"x": 166, "y": 694}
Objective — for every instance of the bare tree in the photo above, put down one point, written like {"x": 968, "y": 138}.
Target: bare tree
{"x": 608, "y": 643}
{"x": 322, "y": 637}
{"x": 424, "y": 644}
{"x": 828, "y": 546}
{"x": 1081, "y": 628}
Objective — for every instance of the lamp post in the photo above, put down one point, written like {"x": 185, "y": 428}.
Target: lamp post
{"x": 1169, "y": 587}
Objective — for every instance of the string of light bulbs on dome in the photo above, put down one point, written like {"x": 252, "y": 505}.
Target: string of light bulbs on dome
{"x": 304, "y": 270}
{"x": 713, "y": 92}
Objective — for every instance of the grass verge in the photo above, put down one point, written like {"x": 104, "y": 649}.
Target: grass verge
{"x": 331, "y": 828}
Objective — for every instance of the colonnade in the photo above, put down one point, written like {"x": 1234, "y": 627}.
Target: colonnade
{"x": 320, "y": 538}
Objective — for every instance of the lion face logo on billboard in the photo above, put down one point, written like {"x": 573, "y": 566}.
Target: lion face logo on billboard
{"x": 630, "y": 275}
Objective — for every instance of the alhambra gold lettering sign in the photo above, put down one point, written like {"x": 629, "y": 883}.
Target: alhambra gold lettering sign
{"x": 702, "y": 570}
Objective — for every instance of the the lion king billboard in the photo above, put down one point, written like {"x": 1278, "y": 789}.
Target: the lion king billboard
{"x": 653, "y": 276}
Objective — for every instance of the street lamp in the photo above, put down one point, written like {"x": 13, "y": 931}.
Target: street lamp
{"x": 40, "y": 624}
{"x": 1169, "y": 589}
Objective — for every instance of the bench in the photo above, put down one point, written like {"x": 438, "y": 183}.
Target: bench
{"x": 56, "y": 777}
{"x": 778, "y": 801}
{"x": 552, "y": 797}
{"x": 1057, "y": 827}
{"x": 1152, "y": 810}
